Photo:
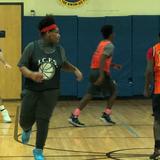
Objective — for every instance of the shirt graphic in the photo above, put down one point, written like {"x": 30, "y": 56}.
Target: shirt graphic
{"x": 47, "y": 68}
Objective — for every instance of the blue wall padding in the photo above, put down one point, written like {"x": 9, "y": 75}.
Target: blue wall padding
{"x": 145, "y": 34}
{"x": 88, "y": 37}
{"x": 122, "y": 53}
{"x": 68, "y": 30}
{"x": 30, "y": 29}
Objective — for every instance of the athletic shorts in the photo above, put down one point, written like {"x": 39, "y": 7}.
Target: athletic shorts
{"x": 38, "y": 104}
{"x": 156, "y": 106}
{"x": 107, "y": 87}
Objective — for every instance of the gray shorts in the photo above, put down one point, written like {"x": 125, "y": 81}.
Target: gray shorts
{"x": 38, "y": 104}
{"x": 107, "y": 87}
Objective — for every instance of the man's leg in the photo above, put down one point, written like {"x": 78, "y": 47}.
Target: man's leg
{"x": 92, "y": 90}
{"x": 156, "y": 126}
{"x": 26, "y": 123}
{"x": 27, "y": 114}
{"x": 76, "y": 113}
{"x": 110, "y": 86}
{"x": 45, "y": 106}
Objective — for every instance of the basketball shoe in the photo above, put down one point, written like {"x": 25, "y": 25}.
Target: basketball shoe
{"x": 38, "y": 154}
{"x": 106, "y": 118}
{"x": 26, "y": 136}
{"x": 5, "y": 116}
{"x": 75, "y": 121}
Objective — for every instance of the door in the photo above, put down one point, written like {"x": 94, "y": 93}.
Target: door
{"x": 10, "y": 44}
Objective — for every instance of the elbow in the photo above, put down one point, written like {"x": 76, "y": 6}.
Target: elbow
{"x": 21, "y": 69}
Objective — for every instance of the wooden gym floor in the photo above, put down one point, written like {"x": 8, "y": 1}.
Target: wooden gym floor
{"x": 130, "y": 139}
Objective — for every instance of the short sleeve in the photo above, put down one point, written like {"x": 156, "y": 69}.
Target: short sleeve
{"x": 24, "y": 60}
{"x": 63, "y": 55}
{"x": 149, "y": 54}
{"x": 108, "y": 50}
{"x": 149, "y": 57}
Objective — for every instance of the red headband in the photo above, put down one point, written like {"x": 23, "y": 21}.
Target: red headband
{"x": 48, "y": 28}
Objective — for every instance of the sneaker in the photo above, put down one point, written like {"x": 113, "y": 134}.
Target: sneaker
{"x": 155, "y": 155}
{"x": 75, "y": 121}
{"x": 26, "y": 136}
{"x": 5, "y": 116}
{"x": 38, "y": 154}
{"x": 107, "y": 119}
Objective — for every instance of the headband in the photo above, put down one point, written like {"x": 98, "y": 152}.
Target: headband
{"x": 48, "y": 28}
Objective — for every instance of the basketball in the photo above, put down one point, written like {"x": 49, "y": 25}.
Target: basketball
{"x": 48, "y": 70}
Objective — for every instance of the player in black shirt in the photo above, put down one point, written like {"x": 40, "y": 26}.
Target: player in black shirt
{"x": 40, "y": 64}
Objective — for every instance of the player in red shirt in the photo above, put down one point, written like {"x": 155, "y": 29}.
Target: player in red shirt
{"x": 153, "y": 71}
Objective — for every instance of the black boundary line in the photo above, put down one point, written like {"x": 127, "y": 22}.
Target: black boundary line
{"x": 118, "y": 156}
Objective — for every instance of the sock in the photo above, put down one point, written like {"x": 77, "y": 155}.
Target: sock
{"x": 76, "y": 112}
{"x": 108, "y": 111}
{"x": 2, "y": 108}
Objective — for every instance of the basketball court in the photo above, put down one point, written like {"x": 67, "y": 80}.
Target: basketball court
{"x": 131, "y": 138}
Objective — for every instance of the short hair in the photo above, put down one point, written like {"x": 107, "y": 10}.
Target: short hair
{"x": 46, "y": 21}
{"x": 106, "y": 31}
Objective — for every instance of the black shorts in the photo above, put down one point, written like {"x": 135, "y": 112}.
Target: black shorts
{"x": 156, "y": 106}
{"x": 38, "y": 104}
{"x": 107, "y": 87}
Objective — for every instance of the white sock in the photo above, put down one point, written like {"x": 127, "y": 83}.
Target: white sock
{"x": 2, "y": 107}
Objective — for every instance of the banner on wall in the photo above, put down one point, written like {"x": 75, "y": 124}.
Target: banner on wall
{"x": 72, "y": 3}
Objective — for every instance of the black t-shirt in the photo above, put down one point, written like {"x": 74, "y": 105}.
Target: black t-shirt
{"x": 46, "y": 58}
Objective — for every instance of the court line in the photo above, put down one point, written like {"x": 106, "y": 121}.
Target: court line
{"x": 118, "y": 156}
{"x": 97, "y": 154}
{"x": 130, "y": 129}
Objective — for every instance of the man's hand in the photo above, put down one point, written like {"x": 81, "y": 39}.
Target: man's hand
{"x": 117, "y": 66}
{"x": 99, "y": 81}
{"x": 147, "y": 92}
{"x": 7, "y": 66}
{"x": 78, "y": 74}
{"x": 37, "y": 77}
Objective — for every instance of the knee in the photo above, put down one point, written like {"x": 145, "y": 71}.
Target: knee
{"x": 43, "y": 120}
{"x": 26, "y": 123}
{"x": 114, "y": 92}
